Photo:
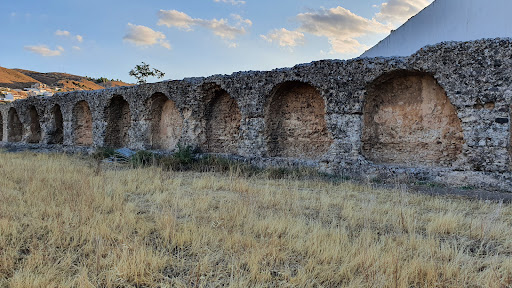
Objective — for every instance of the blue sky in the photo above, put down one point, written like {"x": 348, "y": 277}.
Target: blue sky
{"x": 190, "y": 38}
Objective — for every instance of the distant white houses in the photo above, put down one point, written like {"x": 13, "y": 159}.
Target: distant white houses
{"x": 447, "y": 20}
{"x": 39, "y": 86}
{"x": 9, "y": 97}
{"x": 6, "y": 95}
{"x": 38, "y": 89}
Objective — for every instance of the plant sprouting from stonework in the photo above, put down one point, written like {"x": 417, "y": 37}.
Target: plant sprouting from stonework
{"x": 142, "y": 71}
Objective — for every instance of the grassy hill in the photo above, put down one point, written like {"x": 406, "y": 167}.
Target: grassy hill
{"x": 20, "y": 78}
{"x": 14, "y": 79}
{"x": 69, "y": 82}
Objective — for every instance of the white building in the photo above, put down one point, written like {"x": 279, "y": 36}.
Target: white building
{"x": 39, "y": 86}
{"x": 38, "y": 92}
{"x": 9, "y": 97}
{"x": 447, "y": 20}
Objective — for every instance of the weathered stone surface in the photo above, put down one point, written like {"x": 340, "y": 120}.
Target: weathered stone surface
{"x": 441, "y": 114}
{"x": 166, "y": 122}
{"x": 295, "y": 122}
{"x": 409, "y": 120}
{"x": 82, "y": 124}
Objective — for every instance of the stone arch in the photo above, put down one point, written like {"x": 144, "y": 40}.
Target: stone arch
{"x": 510, "y": 138}
{"x": 34, "y": 135}
{"x": 295, "y": 123}
{"x": 409, "y": 120}
{"x": 118, "y": 117}
{"x": 15, "y": 128}
{"x": 223, "y": 119}
{"x": 82, "y": 124}
{"x": 56, "y": 132}
{"x": 1, "y": 127}
{"x": 166, "y": 123}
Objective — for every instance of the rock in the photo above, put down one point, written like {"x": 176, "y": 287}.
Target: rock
{"x": 444, "y": 110}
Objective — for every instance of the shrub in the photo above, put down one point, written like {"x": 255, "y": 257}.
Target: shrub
{"x": 103, "y": 153}
{"x": 143, "y": 159}
{"x": 185, "y": 154}
{"x": 181, "y": 160}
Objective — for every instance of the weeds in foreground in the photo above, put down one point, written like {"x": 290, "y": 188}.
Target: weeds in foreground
{"x": 187, "y": 159}
{"x": 63, "y": 224}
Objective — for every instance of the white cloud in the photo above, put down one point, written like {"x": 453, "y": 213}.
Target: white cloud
{"x": 341, "y": 27}
{"x": 43, "y": 50}
{"x": 399, "y": 11}
{"x": 62, "y": 33}
{"x": 347, "y": 46}
{"x": 165, "y": 44}
{"x": 221, "y": 28}
{"x": 284, "y": 37}
{"x": 173, "y": 18}
{"x": 65, "y": 33}
{"x": 145, "y": 36}
{"x": 77, "y": 48}
{"x": 241, "y": 20}
{"x": 232, "y": 2}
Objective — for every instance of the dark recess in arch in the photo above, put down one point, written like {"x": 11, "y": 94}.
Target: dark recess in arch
{"x": 222, "y": 122}
{"x": 1, "y": 127}
{"x": 15, "y": 128}
{"x": 35, "y": 126}
{"x": 118, "y": 117}
{"x": 56, "y": 133}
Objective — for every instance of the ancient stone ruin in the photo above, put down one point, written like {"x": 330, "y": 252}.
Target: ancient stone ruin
{"x": 441, "y": 114}
{"x": 408, "y": 119}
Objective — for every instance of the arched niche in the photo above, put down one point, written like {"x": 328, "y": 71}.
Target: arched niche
{"x": 35, "y": 126}
{"x": 166, "y": 123}
{"x": 409, "y": 120}
{"x": 14, "y": 128}
{"x": 223, "y": 118}
{"x": 82, "y": 124}
{"x": 118, "y": 118}
{"x": 1, "y": 127}
{"x": 56, "y": 131}
{"x": 295, "y": 125}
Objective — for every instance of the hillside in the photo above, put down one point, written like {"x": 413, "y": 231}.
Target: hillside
{"x": 20, "y": 78}
{"x": 14, "y": 79}
{"x": 69, "y": 82}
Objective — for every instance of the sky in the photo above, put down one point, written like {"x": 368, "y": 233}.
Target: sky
{"x": 190, "y": 38}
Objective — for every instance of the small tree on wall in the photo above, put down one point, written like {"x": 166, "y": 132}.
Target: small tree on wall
{"x": 142, "y": 71}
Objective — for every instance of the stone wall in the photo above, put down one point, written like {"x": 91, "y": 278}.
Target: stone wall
{"x": 408, "y": 119}
{"x": 442, "y": 114}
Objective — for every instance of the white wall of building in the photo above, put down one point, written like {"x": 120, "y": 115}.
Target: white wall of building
{"x": 448, "y": 20}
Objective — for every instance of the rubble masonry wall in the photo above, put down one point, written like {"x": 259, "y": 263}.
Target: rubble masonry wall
{"x": 441, "y": 114}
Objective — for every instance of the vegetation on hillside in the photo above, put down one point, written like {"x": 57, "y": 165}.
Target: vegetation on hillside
{"x": 73, "y": 222}
{"x": 101, "y": 80}
{"x": 19, "y": 79}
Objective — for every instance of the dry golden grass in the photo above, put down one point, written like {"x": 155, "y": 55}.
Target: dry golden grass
{"x": 63, "y": 223}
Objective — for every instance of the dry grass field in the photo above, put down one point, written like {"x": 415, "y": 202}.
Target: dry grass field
{"x": 66, "y": 223}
